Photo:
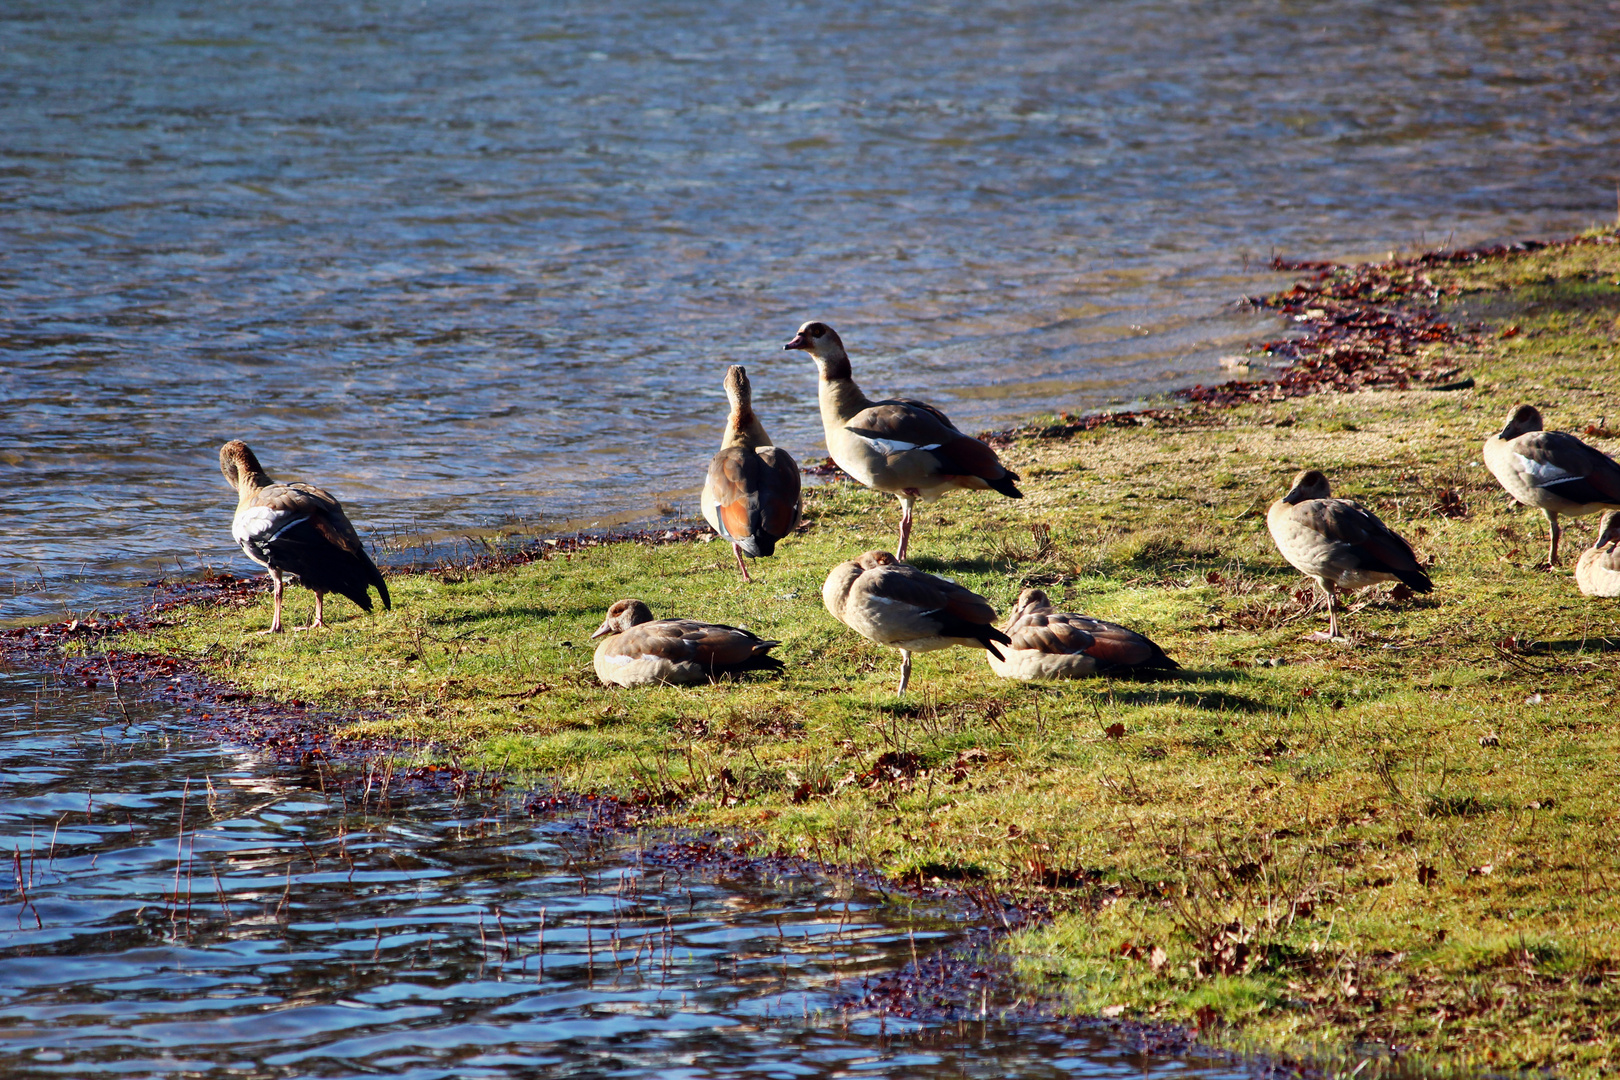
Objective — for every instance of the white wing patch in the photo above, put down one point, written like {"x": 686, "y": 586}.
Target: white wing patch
{"x": 260, "y": 524}
{"x": 894, "y": 446}
{"x": 252, "y": 523}
{"x": 1544, "y": 473}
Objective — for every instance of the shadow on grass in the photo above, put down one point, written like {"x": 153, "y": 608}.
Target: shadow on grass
{"x": 1573, "y": 645}
{"x": 523, "y": 611}
{"x": 978, "y": 565}
{"x": 1193, "y": 698}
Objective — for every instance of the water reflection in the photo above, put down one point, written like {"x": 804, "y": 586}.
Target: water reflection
{"x": 180, "y": 909}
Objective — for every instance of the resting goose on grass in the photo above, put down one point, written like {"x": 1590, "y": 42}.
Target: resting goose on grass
{"x": 297, "y": 531}
{"x": 901, "y": 607}
{"x": 1339, "y": 544}
{"x": 1048, "y": 644}
{"x": 1551, "y": 470}
{"x": 751, "y": 496}
{"x": 1598, "y": 571}
{"x": 639, "y": 650}
{"x": 908, "y": 448}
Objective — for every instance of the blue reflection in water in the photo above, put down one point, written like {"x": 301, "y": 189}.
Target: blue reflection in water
{"x": 179, "y": 908}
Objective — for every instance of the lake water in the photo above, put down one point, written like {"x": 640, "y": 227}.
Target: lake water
{"x": 483, "y": 262}
{"x": 178, "y": 908}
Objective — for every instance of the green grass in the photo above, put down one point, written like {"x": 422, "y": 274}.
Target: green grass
{"x": 1299, "y": 847}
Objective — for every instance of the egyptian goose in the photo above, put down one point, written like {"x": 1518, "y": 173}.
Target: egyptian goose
{"x": 751, "y": 496}
{"x": 1552, "y": 471}
{"x": 1048, "y": 644}
{"x": 1339, "y": 544}
{"x": 899, "y": 606}
{"x": 297, "y": 530}
{"x": 639, "y": 650}
{"x": 907, "y": 448}
{"x": 1598, "y": 571}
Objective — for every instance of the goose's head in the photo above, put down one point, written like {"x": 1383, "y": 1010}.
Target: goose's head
{"x": 622, "y": 616}
{"x": 823, "y": 343}
{"x": 1608, "y": 529}
{"x": 1031, "y": 600}
{"x": 237, "y": 462}
{"x": 1309, "y": 484}
{"x": 871, "y": 560}
{"x": 1524, "y": 419}
{"x": 738, "y": 390}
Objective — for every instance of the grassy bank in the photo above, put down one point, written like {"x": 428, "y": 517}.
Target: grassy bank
{"x": 1412, "y": 841}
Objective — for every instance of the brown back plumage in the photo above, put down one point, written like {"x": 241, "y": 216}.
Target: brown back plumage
{"x": 1037, "y": 626}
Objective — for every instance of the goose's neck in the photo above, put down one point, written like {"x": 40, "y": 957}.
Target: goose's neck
{"x": 744, "y": 429}
{"x": 840, "y": 398}
{"x": 249, "y": 484}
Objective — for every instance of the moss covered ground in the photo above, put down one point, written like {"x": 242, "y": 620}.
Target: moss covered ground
{"x": 1412, "y": 841}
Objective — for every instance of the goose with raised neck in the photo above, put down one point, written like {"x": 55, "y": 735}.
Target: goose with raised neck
{"x": 909, "y": 449}
{"x": 751, "y": 495}
{"x": 1553, "y": 471}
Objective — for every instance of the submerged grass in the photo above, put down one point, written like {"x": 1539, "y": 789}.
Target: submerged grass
{"x": 1298, "y": 847}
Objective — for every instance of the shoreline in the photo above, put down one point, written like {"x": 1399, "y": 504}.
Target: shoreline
{"x": 1362, "y": 336}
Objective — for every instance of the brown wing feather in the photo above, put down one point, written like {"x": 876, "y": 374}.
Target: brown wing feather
{"x": 967, "y": 456}
{"x": 734, "y": 518}
{"x": 717, "y": 646}
{"x": 903, "y": 421}
{"x": 1371, "y": 543}
{"x": 1058, "y": 636}
{"x": 780, "y": 492}
{"x": 724, "y": 486}
{"x": 1115, "y": 646}
{"x": 935, "y": 410}
{"x": 1602, "y": 473}
{"x": 908, "y": 585}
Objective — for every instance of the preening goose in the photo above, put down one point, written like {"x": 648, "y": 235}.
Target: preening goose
{"x": 297, "y": 531}
{"x": 908, "y": 448}
{"x": 1598, "y": 571}
{"x": 639, "y": 650}
{"x": 1339, "y": 544}
{"x": 1551, "y": 470}
{"x": 1048, "y": 644}
{"x": 751, "y": 496}
{"x": 899, "y": 606}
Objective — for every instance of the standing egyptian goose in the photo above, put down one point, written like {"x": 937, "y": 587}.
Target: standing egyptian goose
{"x": 1598, "y": 571}
{"x": 1552, "y": 471}
{"x": 751, "y": 496}
{"x": 907, "y": 448}
{"x": 899, "y": 606}
{"x": 297, "y": 530}
{"x": 1048, "y": 644}
{"x": 1339, "y": 544}
{"x": 639, "y": 650}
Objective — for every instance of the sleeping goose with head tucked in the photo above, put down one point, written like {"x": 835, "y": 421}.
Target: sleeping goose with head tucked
{"x": 638, "y": 650}
{"x": 1338, "y": 544}
{"x": 751, "y": 495}
{"x": 1552, "y": 471}
{"x": 297, "y": 530}
{"x": 1050, "y": 644}
{"x": 1598, "y": 571}
{"x": 904, "y": 608}
{"x": 907, "y": 448}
